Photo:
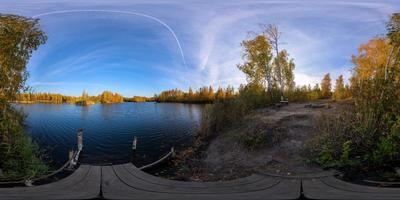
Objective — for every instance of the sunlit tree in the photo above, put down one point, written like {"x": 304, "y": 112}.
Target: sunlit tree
{"x": 340, "y": 90}
{"x": 326, "y": 86}
{"x": 257, "y": 61}
{"x": 19, "y": 37}
{"x": 286, "y": 71}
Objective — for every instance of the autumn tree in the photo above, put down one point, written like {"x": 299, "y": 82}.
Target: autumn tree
{"x": 85, "y": 95}
{"x": 257, "y": 61}
{"x": 229, "y": 92}
{"x": 19, "y": 37}
{"x": 285, "y": 69}
{"x": 340, "y": 90}
{"x": 211, "y": 94}
{"x": 190, "y": 95}
{"x": 220, "y": 94}
{"x": 371, "y": 59}
{"x": 273, "y": 35}
{"x": 372, "y": 127}
{"x": 326, "y": 86}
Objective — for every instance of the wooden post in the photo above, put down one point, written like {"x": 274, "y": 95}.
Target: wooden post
{"x": 70, "y": 155}
{"x": 173, "y": 154}
{"x": 80, "y": 140}
{"x": 75, "y": 156}
{"x": 134, "y": 143}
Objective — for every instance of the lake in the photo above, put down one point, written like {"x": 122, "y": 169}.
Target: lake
{"x": 108, "y": 130}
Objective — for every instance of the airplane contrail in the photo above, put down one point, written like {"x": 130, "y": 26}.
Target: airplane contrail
{"x": 124, "y": 12}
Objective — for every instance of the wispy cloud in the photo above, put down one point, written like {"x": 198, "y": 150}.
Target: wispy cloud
{"x": 319, "y": 35}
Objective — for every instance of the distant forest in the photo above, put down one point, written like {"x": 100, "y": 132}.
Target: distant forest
{"x": 105, "y": 97}
{"x": 206, "y": 94}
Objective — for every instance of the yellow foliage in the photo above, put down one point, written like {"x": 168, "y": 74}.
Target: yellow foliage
{"x": 371, "y": 59}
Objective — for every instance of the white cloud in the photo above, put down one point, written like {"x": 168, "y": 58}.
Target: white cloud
{"x": 319, "y": 35}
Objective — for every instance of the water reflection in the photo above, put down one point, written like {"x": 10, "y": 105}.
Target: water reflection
{"x": 110, "y": 128}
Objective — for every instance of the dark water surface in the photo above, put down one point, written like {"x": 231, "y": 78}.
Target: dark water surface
{"x": 109, "y": 129}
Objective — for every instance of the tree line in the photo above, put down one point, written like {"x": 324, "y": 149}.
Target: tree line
{"x": 202, "y": 95}
{"x": 85, "y": 98}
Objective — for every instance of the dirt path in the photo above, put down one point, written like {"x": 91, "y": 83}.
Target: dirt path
{"x": 288, "y": 127}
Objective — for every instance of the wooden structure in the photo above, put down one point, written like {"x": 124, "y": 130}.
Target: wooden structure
{"x": 128, "y": 182}
{"x": 161, "y": 160}
{"x": 84, "y": 183}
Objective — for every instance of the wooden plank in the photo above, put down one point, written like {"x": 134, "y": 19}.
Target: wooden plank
{"x": 133, "y": 181}
{"x": 118, "y": 186}
{"x": 84, "y": 183}
{"x": 333, "y": 188}
{"x": 157, "y": 180}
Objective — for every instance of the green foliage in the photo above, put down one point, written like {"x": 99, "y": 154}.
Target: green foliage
{"x": 254, "y": 96}
{"x": 19, "y": 37}
{"x": 393, "y": 27}
{"x": 286, "y": 65}
{"x": 341, "y": 91}
{"x": 222, "y": 115}
{"x": 19, "y": 156}
{"x": 368, "y": 133}
{"x": 254, "y": 141}
{"x": 257, "y": 56}
{"x": 388, "y": 147}
{"x": 325, "y": 157}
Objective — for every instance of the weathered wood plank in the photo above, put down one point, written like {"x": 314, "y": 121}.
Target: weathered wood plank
{"x": 117, "y": 184}
{"x": 333, "y": 188}
{"x": 161, "y": 181}
{"x": 84, "y": 183}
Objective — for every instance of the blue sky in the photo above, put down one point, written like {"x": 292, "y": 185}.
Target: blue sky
{"x": 143, "y": 47}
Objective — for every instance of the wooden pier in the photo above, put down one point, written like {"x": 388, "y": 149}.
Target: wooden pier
{"x": 126, "y": 181}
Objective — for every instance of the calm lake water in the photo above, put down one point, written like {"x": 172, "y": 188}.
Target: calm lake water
{"x": 109, "y": 130}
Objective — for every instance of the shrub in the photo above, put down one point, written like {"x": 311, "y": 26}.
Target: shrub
{"x": 20, "y": 157}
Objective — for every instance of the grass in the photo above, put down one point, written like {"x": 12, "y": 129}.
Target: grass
{"x": 20, "y": 157}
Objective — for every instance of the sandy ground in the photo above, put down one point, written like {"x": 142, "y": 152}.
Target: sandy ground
{"x": 227, "y": 158}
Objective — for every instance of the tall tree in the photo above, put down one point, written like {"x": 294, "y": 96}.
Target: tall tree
{"x": 190, "y": 94}
{"x": 393, "y": 27}
{"x": 220, "y": 95}
{"x": 371, "y": 59}
{"x": 273, "y": 35}
{"x": 340, "y": 90}
{"x": 326, "y": 86}
{"x": 286, "y": 70}
{"x": 257, "y": 61}
{"x": 19, "y": 37}
{"x": 85, "y": 95}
